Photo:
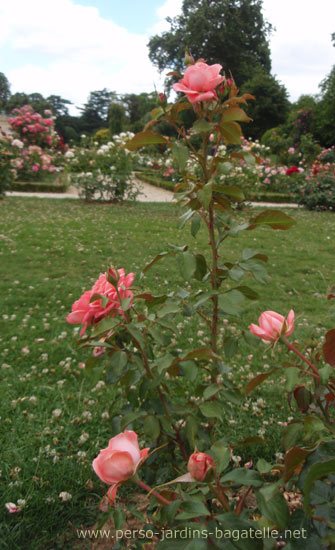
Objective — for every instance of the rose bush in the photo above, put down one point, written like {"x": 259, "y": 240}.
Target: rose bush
{"x": 102, "y": 172}
{"x": 151, "y": 374}
{"x": 33, "y": 129}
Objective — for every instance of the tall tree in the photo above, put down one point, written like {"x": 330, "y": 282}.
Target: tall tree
{"x": 58, "y": 105}
{"x": 98, "y": 104}
{"x": 325, "y": 111}
{"x": 116, "y": 118}
{"x": 4, "y": 91}
{"x": 36, "y": 100}
{"x": 230, "y": 32}
{"x": 271, "y": 105}
{"x": 137, "y": 106}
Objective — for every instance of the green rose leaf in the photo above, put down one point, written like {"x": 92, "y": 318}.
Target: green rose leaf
{"x": 143, "y": 139}
{"x": 272, "y": 218}
{"x": 212, "y": 410}
{"x": 180, "y": 153}
{"x": 192, "y": 509}
{"x": 151, "y": 427}
{"x": 202, "y": 126}
{"x": 187, "y": 265}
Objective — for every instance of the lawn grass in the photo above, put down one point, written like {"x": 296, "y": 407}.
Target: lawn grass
{"x": 53, "y": 250}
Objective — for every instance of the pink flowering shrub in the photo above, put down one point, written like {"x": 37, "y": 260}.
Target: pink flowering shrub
{"x": 179, "y": 399}
{"x": 36, "y": 150}
{"x": 34, "y": 129}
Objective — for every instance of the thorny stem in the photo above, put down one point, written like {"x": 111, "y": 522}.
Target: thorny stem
{"x": 162, "y": 397}
{"x": 157, "y": 495}
{"x": 324, "y": 412}
{"x": 221, "y": 497}
{"x": 311, "y": 366}
{"x": 214, "y": 280}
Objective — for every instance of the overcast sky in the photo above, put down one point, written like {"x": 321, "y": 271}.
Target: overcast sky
{"x": 72, "y": 47}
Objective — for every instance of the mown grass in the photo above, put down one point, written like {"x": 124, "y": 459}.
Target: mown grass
{"x": 53, "y": 250}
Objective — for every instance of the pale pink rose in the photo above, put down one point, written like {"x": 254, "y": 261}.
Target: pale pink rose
{"x": 272, "y": 325}
{"x": 199, "y": 464}
{"x": 12, "y": 508}
{"x": 119, "y": 461}
{"x": 200, "y": 81}
{"x": 84, "y": 312}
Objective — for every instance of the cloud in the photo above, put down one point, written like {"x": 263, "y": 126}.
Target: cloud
{"x": 301, "y": 49}
{"x": 62, "y": 47}
{"x": 170, "y": 8}
{"x": 84, "y": 51}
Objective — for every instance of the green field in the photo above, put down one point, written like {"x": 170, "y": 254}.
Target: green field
{"x": 53, "y": 250}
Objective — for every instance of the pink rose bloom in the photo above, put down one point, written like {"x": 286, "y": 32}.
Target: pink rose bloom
{"x": 272, "y": 326}
{"x": 199, "y": 464}
{"x": 36, "y": 167}
{"x": 200, "y": 81}
{"x": 119, "y": 461}
{"x": 12, "y": 508}
{"x": 84, "y": 312}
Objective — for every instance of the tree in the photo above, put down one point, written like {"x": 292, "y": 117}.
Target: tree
{"x": 69, "y": 127}
{"x": 95, "y": 111}
{"x": 271, "y": 105}
{"x": 36, "y": 100}
{"x": 58, "y": 105}
{"x": 116, "y": 118}
{"x": 325, "y": 111}
{"x": 4, "y": 91}
{"x": 137, "y": 106}
{"x": 230, "y": 32}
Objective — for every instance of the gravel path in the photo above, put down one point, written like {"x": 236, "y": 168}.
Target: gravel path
{"x": 149, "y": 193}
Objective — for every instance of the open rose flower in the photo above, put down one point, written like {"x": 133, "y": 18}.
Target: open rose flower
{"x": 200, "y": 81}
{"x": 272, "y": 326}
{"x": 198, "y": 465}
{"x": 86, "y": 312}
{"x": 119, "y": 461}
{"x": 292, "y": 170}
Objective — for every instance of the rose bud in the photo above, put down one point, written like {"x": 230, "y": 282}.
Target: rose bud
{"x": 162, "y": 99}
{"x": 272, "y": 326}
{"x": 199, "y": 464}
{"x": 188, "y": 59}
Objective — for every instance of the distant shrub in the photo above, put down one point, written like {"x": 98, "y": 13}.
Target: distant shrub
{"x": 318, "y": 191}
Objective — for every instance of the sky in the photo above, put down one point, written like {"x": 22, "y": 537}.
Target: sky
{"x": 72, "y": 47}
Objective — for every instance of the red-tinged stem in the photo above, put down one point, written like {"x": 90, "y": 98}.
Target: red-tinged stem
{"x": 240, "y": 504}
{"x": 311, "y": 366}
{"x": 156, "y": 495}
{"x": 221, "y": 497}
{"x": 214, "y": 280}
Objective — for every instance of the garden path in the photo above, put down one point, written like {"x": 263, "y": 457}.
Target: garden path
{"x": 149, "y": 193}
